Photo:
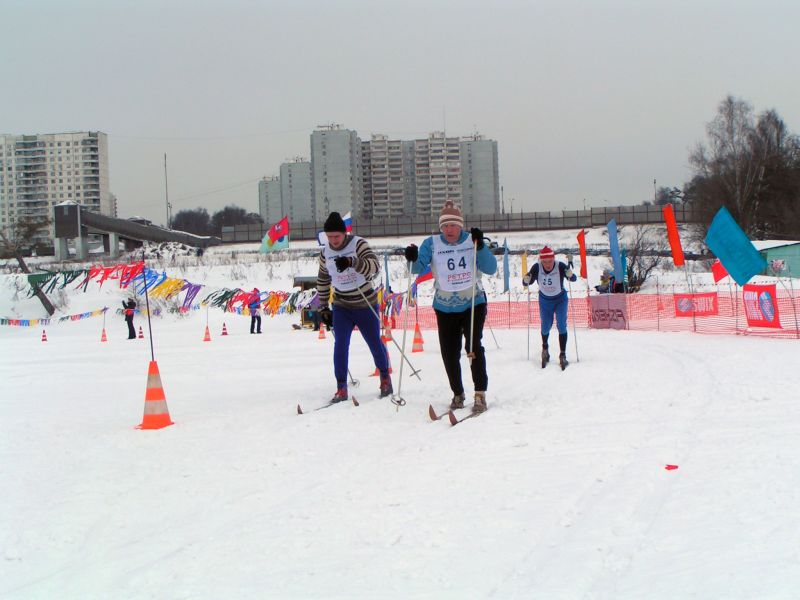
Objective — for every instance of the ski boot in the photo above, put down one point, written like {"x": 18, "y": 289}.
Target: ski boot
{"x": 386, "y": 388}
{"x": 562, "y": 360}
{"x": 457, "y": 401}
{"x": 340, "y": 395}
{"x": 545, "y": 356}
{"x": 480, "y": 403}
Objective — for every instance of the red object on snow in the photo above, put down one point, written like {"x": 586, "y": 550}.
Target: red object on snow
{"x": 671, "y": 467}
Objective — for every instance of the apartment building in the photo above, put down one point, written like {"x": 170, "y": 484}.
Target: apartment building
{"x": 39, "y": 171}
{"x": 437, "y": 171}
{"x": 270, "y": 206}
{"x": 336, "y": 177}
{"x": 388, "y": 177}
{"x": 480, "y": 177}
{"x": 296, "y": 196}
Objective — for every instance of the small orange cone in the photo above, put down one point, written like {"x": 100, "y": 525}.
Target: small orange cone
{"x": 103, "y": 337}
{"x": 387, "y": 333}
{"x": 156, "y": 413}
{"x": 321, "y": 335}
{"x": 141, "y": 333}
{"x": 388, "y": 358}
{"x": 418, "y": 341}
{"x": 44, "y": 335}
{"x": 207, "y": 336}
{"x": 224, "y": 329}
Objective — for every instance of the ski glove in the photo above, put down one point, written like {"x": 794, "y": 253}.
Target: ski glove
{"x": 477, "y": 236}
{"x": 569, "y": 259}
{"x": 527, "y": 279}
{"x": 411, "y": 253}
{"x": 569, "y": 272}
{"x": 343, "y": 263}
{"x": 326, "y": 316}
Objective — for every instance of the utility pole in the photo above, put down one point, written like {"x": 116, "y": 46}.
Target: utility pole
{"x": 502, "y": 201}
{"x": 166, "y": 191}
{"x": 655, "y": 194}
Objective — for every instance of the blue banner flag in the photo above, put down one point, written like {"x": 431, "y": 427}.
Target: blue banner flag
{"x": 613, "y": 242}
{"x": 505, "y": 267}
{"x": 624, "y": 257}
{"x": 733, "y": 249}
{"x": 386, "y": 270}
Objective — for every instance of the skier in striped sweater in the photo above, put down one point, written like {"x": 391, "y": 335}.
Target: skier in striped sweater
{"x": 349, "y": 265}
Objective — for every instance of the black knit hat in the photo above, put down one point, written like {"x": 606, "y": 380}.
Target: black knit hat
{"x": 334, "y": 222}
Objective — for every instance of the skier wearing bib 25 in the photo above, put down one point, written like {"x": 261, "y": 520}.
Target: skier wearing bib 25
{"x": 450, "y": 256}
{"x": 349, "y": 264}
{"x": 553, "y": 299}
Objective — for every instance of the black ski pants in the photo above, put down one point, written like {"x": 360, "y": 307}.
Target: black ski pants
{"x": 452, "y": 328}
{"x": 255, "y": 323}
{"x": 131, "y": 330}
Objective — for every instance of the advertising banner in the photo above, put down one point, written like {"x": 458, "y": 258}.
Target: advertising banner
{"x": 761, "y": 306}
{"x": 698, "y": 305}
{"x": 609, "y": 311}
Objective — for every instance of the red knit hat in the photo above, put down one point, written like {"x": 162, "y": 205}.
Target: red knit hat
{"x": 450, "y": 215}
{"x": 547, "y": 252}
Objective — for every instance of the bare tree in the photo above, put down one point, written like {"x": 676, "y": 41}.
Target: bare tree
{"x": 19, "y": 236}
{"x": 644, "y": 255}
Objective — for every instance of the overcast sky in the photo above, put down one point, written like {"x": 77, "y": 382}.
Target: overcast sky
{"x": 587, "y": 100}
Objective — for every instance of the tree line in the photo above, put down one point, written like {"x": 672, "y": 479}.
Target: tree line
{"x": 199, "y": 222}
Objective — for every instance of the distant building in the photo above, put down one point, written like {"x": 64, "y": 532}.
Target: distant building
{"x": 437, "y": 171}
{"x": 388, "y": 177}
{"x": 296, "y": 198}
{"x": 480, "y": 178}
{"x": 336, "y": 178}
{"x": 39, "y": 171}
{"x": 270, "y": 206}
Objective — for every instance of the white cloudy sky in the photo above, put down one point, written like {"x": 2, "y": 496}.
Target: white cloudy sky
{"x": 588, "y": 100}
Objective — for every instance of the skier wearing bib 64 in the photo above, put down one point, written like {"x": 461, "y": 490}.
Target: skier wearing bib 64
{"x": 349, "y": 265}
{"x": 456, "y": 269}
{"x": 553, "y": 299}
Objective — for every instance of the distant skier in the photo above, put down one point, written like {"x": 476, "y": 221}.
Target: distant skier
{"x": 450, "y": 256}
{"x": 349, "y": 264}
{"x": 553, "y": 299}
{"x": 130, "y": 307}
{"x": 255, "y": 311}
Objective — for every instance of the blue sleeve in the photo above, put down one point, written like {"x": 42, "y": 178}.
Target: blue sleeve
{"x": 534, "y": 273}
{"x": 424, "y": 258}
{"x": 486, "y": 261}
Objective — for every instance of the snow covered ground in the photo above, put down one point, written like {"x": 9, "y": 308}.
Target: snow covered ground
{"x": 560, "y": 491}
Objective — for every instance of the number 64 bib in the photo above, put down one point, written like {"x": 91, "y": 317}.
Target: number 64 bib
{"x": 453, "y": 264}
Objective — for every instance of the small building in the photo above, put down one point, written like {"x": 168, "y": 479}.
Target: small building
{"x": 788, "y": 252}
{"x": 307, "y": 314}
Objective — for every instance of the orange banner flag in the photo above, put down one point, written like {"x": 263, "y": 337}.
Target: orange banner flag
{"x": 582, "y": 248}
{"x": 672, "y": 235}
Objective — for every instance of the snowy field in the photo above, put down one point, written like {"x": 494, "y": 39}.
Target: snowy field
{"x": 559, "y": 491}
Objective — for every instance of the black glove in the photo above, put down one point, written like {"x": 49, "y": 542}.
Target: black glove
{"x": 411, "y": 253}
{"x": 477, "y": 236}
{"x": 326, "y": 316}
{"x": 343, "y": 263}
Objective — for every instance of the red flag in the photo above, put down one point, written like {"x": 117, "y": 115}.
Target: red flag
{"x": 280, "y": 229}
{"x": 719, "y": 271}
{"x": 582, "y": 247}
{"x": 673, "y": 236}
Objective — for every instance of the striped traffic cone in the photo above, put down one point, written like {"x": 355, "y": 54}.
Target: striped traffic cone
{"x": 321, "y": 335}
{"x": 141, "y": 333}
{"x": 156, "y": 413}
{"x": 388, "y": 359}
{"x": 44, "y": 335}
{"x": 418, "y": 341}
{"x": 103, "y": 337}
{"x": 224, "y": 329}
{"x": 207, "y": 336}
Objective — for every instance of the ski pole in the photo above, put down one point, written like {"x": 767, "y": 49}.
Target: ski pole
{"x": 574, "y": 331}
{"x": 528, "y": 321}
{"x": 414, "y": 372}
{"x": 490, "y": 326}
{"x": 353, "y": 381}
{"x": 397, "y": 399}
{"x": 471, "y": 353}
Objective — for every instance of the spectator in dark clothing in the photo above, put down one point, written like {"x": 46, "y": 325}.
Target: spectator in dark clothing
{"x": 130, "y": 306}
{"x": 255, "y": 311}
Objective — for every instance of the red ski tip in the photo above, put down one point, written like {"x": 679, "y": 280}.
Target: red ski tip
{"x": 671, "y": 467}
{"x": 432, "y": 413}
{"x": 299, "y": 410}
{"x": 355, "y": 402}
{"x": 452, "y": 417}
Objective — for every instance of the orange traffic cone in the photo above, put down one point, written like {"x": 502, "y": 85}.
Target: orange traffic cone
{"x": 156, "y": 414}
{"x": 321, "y": 335}
{"x": 418, "y": 341}
{"x": 389, "y": 360}
{"x": 44, "y": 335}
{"x": 387, "y": 332}
{"x": 141, "y": 333}
{"x": 103, "y": 337}
{"x": 224, "y": 329}
{"x": 207, "y": 336}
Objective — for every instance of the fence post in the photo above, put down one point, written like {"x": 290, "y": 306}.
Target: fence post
{"x": 658, "y": 307}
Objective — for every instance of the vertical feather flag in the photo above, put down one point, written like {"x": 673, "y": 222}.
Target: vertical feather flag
{"x": 673, "y": 236}
{"x": 582, "y": 249}
{"x": 386, "y": 270}
{"x": 524, "y": 262}
{"x": 719, "y": 271}
{"x": 505, "y": 267}
{"x": 735, "y": 251}
{"x": 613, "y": 242}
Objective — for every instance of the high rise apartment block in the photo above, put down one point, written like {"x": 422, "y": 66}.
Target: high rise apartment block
{"x": 388, "y": 177}
{"x": 480, "y": 177}
{"x": 336, "y": 179}
{"x": 437, "y": 168}
{"x": 40, "y": 171}
{"x": 296, "y": 195}
{"x": 270, "y": 205}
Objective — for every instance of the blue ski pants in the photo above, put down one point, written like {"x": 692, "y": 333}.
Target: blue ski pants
{"x": 344, "y": 320}
{"x": 550, "y": 306}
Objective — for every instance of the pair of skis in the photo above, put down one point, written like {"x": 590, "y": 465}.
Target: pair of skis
{"x": 328, "y": 405}
{"x": 451, "y": 416}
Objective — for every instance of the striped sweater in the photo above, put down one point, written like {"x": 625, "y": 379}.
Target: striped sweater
{"x": 366, "y": 263}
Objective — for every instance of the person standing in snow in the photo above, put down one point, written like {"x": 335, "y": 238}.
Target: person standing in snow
{"x": 349, "y": 265}
{"x": 129, "y": 307}
{"x": 450, "y": 255}
{"x": 553, "y": 299}
{"x": 255, "y": 311}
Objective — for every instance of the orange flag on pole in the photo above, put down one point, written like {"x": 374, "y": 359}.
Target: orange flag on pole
{"x": 582, "y": 248}
{"x": 672, "y": 235}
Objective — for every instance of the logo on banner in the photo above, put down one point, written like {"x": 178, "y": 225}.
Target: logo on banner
{"x": 760, "y": 306}
{"x": 699, "y": 305}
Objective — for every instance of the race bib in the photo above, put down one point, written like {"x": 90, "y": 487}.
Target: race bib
{"x": 549, "y": 283}
{"x": 349, "y": 279}
{"x": 453, "y": 264}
